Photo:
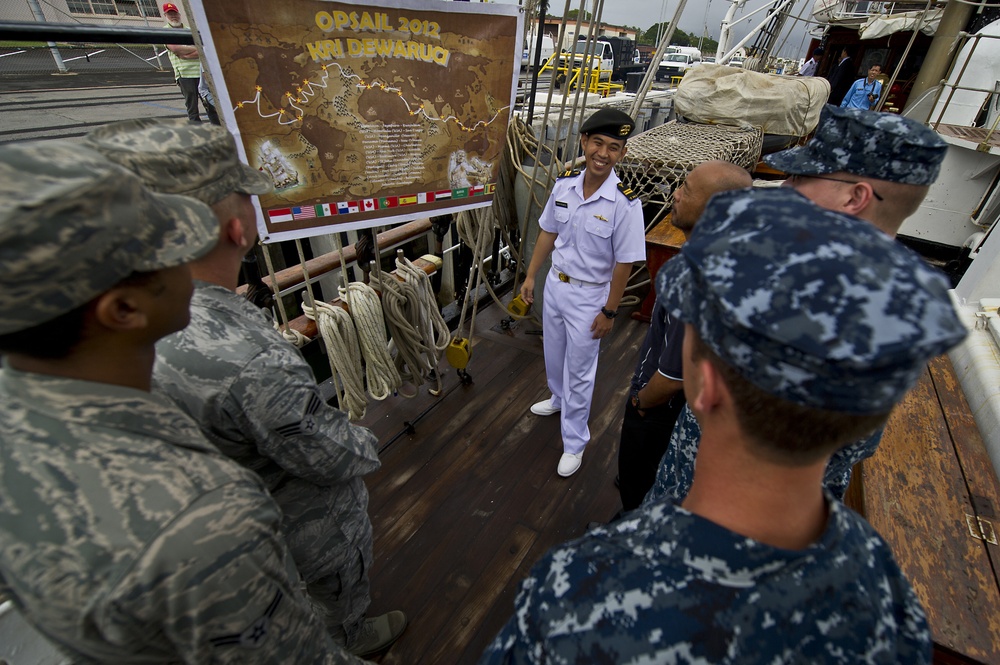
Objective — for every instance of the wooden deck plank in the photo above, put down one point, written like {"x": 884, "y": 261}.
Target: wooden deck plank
{"x": 463, "y": 507}
{"x": 915, "y": 496}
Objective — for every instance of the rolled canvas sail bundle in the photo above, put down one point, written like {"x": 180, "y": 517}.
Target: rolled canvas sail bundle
{"x": 721, "y": 95}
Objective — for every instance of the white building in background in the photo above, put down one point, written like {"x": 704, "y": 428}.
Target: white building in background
{"x": 126, "y": 13}
{"x": 551, "y": 28}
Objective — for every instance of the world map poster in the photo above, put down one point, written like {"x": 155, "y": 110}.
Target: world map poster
{"x": 362, "y": 114}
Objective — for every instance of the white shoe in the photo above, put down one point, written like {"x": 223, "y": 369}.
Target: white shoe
{"x": 569, "y": 463}
{"x": 544, "y": 408}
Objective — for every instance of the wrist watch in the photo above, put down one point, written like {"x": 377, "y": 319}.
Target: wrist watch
{"x": 610, "y": 313}
{"x": 635, "y": 400}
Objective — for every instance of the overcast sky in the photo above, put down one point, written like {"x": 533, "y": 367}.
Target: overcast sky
{"x": 697, "y": 14}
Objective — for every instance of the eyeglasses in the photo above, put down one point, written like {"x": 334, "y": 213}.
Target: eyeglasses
{"x": 849, "y": 182}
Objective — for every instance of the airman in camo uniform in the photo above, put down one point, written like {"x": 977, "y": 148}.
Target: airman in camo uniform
{"x": 252, "y": 393}
{"x": 125, "y": 537}
{"x": 793, "y": 346}
{"x": 875, "y": 166}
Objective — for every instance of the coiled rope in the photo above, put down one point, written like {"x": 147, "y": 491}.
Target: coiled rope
{"x": 344, "y": 354}
{"x": 382, "y": 377}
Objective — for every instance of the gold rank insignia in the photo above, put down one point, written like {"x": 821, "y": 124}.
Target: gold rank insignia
{"x": 624, "y": 130}
{"x": 601, "y": 217}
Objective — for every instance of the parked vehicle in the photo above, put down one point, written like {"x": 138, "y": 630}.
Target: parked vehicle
{"x": 677, "y": 62}
{"x": 528, "y": 54}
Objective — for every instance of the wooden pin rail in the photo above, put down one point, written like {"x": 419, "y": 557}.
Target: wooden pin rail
{"x": 307, "y": 327}
{"x": 321, "y": 265}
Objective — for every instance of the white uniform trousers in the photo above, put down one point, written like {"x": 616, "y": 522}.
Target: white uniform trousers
{"x": 571, "y": 353}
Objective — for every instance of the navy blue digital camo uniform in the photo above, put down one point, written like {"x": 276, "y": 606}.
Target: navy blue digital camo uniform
{"x": 800, "y": 302}
{"x": 676, "y": 588}
{"x": 895, "y": 149}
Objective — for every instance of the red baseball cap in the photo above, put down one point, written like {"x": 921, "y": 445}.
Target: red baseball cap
{"x": 170, "y": 7}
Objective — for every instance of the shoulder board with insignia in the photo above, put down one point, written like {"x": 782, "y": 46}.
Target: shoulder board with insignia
{"x": 629, "y": 194}
{"x": 569, "y": 174}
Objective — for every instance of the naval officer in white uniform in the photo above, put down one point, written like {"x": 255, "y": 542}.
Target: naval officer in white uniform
{"x": 593, "y": 227}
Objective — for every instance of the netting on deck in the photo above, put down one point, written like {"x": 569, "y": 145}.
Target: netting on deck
{"x": 659, "y": 159}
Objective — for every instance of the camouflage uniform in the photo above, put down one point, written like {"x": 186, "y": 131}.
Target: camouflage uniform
{"x": 257, "y": 400}
{"x": 251, "y": 392}
{"x": 876, "y": 145}
{"x": 676, "y": 470}
{"x": 804, "y": 303}
{"x": 125, "y": 537}
{"x": 709, "y": 595}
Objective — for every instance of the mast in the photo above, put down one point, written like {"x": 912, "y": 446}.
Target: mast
{"x": 724, "y": 31}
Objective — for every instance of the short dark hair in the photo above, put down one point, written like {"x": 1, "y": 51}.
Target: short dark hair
{"x": 58, "y": 337}
{"x": 50, "y": 340}
{"x": 784, "y": 432}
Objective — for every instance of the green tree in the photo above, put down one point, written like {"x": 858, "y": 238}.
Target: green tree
{"x": 680, "y": 37}
{"x": 573, "y": 13}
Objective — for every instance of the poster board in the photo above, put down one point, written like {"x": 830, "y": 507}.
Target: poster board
{"x": 364, "y": 114}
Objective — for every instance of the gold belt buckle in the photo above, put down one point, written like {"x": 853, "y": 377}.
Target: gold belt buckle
{"x": 563, "y": 277}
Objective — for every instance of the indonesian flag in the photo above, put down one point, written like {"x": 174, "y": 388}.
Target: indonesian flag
{"x": 280, "y": 215}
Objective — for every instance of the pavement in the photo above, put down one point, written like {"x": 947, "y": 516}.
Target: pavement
{"x": 48, "y": 106}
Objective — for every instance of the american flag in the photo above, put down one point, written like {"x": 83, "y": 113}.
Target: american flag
{"x": 306, "y": 212}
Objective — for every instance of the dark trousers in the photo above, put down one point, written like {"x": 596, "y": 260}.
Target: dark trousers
{"x": 189, "y": 88}
{"x": 644, "y": 440}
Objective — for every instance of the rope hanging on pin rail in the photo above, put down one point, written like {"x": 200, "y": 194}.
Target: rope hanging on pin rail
{"x": 475, "y": 228}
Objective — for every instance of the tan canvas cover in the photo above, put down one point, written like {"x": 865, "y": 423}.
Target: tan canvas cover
{"x": 723, "y": 95}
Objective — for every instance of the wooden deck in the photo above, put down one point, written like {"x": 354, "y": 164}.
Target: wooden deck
{"x": 930, "y": 490}
{"x": 465, "y": 504}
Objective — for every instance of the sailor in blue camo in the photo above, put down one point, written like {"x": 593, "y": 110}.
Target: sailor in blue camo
{"x": 799, "y": 302}
{"x": 663, "y": 585}
{"x": 895, "y": 150}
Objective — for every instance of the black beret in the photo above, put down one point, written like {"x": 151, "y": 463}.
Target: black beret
{"x": 609, "y": 122}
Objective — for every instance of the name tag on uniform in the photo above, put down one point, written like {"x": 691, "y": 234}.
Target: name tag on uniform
{"x": 601, "y": 217}
{"x": 562, "y": 204}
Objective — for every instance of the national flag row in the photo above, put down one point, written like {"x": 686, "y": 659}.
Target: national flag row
{"x": 381, "y": 203}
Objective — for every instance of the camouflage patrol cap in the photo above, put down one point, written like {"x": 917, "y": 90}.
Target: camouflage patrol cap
{"x": 177, "y": 157}
{"x": 813, "y": 306}
{"x": 609, "y": 122}
{"x": 72, "y": 225}
{"x": 885, "y": 146}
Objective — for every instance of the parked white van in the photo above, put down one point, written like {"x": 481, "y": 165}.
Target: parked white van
{"x": 528, "y": 54}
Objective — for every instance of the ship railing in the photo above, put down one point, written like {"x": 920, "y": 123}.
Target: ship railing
{"x": 986, "y": 137}
{"x": 862, "y": 9}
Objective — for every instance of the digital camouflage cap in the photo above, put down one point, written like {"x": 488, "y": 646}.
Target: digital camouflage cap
{"x": 72, "y": 225}
{"x": 885, "y": 146}
{"x": 177, "y": 157}
{"x": 813, "y": 306}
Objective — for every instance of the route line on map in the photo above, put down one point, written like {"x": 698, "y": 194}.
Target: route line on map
{"x": 306, "y": 92}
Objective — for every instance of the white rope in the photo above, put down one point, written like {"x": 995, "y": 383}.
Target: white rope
{"x": 281, "y": 321}
{"x": 433, "y": 327}
{"x": 398, "y": 305}
{"x": 291, "y": 335}
{"x": 341, "y": 340}
{"x": 380, "y": 371}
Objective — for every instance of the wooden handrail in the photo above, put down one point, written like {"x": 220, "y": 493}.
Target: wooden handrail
{"x": 329, "y": 262}
{"x": 307, "y": 326}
